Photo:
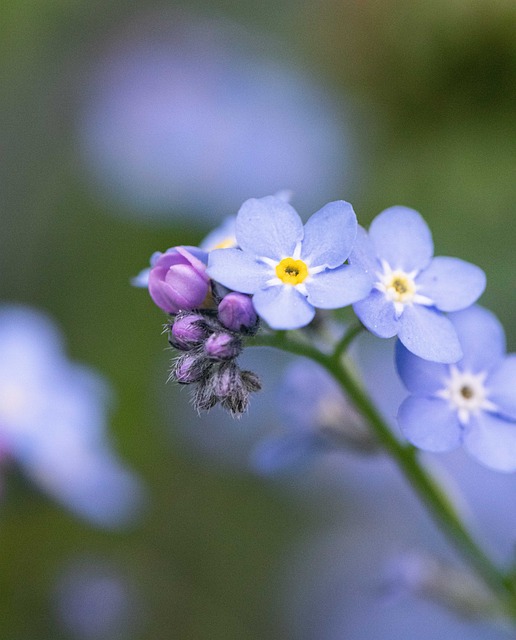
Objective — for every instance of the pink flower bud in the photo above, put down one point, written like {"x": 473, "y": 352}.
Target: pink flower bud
{"x": 178, "y": 281}
{"x": 236, "y": 312}
{"x": 188, "y": 331}
{"x": 222, "y": 346}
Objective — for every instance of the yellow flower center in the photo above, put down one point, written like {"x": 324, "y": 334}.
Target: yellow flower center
{"x": 291, "y": 271}
{"x": 226, "y": 243}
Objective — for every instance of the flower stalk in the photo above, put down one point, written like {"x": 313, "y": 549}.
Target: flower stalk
{"x": 405, "y": 456}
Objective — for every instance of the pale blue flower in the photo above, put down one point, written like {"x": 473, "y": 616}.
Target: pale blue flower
{"x": 411, "y": 288}
{"x": 472, "y": 402}
{"x": 291, "y": 270}
{"x": 53, "y": 422}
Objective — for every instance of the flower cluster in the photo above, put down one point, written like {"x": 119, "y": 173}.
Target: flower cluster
{"x": 266, "y": 264}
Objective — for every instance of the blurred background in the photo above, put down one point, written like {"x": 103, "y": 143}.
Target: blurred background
{"x": 128, "y": 128}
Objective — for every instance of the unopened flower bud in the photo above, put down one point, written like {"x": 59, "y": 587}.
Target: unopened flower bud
{"x": 178, "y": 281}
{"x": 222, "y": 346}
{"x": 204, "y": 397}
{"x": 251, "y": 381}
{"x": 188, "y": 331}
{"x": 236, "y": 312}
{"x": 190, "y": 368}
{"x": 226, "y": 380}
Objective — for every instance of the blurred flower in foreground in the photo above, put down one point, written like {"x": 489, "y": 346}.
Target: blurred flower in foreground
{"x": 95, "y": 602}
{"x": 185, "y": 115}
{"x": 318, "y": 418}
{"x": 53, "y": 422}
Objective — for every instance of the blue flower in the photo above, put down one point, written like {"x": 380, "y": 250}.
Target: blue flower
{"x": 412, "y": 289}
{"x": 53, "y": 422}
{"x": 291, "y": 269}
{"x": 317, "y": 418}
{"x": 222, "y": 237}
{"x": 472, "y": 402}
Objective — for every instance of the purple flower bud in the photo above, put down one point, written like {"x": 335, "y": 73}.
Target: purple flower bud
{"x": 236, "y": 312}
{"x": 226, "y": 381}
{"x": 222, "y": 346}
{"x": 188, "y": 331}
{"x": 178, "y": 281}
{"x": 190, "y": 368}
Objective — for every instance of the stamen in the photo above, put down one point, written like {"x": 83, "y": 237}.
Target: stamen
{"x": 291, "y": 271}
{"x": 400, "y": 288}
{"x": 466, "y": 393}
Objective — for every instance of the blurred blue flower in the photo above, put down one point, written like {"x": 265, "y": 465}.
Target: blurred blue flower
{"x": 291, "y": 269}
{"x": 53, "y": 422}
{"x": 95, "y": 601}
{"x": 472, "y": 402}
{"x": 317, "y": 419}
{"x": 186, "y": 115}
{"x": 411, "y": 288}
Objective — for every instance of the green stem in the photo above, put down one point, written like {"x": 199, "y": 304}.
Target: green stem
{"x": 405, "y": 456}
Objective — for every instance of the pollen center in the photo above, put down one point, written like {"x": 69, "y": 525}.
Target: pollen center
{"x": 291, "y": 271}
{"x": 466, "y": 392}
{"x": 400, "y": 287}
{"x": 226, "y": 243}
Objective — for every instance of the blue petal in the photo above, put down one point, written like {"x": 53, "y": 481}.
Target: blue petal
{"x": 238, "y": 270}
{"x": 364, "y": 253}
{"x": 283, "y": 307}
{"x": 502, "y": 387}
{"x": 430, "y": 424}
{"x": 329, "y": 235}
{"x": 429, "y": 334}
{"x": 492, "y": 441}
{"x": 402, "y": 238}
{"x": 452, "y": 284}
{"x": 268, "y": 227}
{"x": 335, "y": 288}
{"x": 377, "y": 314}
{"x": 142, "y": 279}
{"x": 287, "y": 453}
{"x": 482, "y": 338}
{"x": 418, "y": 375}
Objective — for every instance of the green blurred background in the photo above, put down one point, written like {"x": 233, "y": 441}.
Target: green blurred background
{"x": 433, "y": 91}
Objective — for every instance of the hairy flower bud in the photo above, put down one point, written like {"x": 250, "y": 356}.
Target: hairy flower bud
{"x": 223, "y": 346}
{"x": 190, "y": 368}
{"x": 178, "y": 280}
{"x": 236, "y": 312}
{"x": 188, "y": 331}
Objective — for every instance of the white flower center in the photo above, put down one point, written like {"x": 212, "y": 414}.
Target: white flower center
{"x": 400, "y": 288}
{"x": 466, "y": 393}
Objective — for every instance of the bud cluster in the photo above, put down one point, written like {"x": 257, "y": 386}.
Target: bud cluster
{"x": 209, "y": 342}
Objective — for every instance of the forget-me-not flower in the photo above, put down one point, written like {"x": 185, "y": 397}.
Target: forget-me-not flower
{"x": 53, "y": 422}
{"x": 289, "y": 268}
{"x": 411, "y": 288}
{"x": 472, "y": 402}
